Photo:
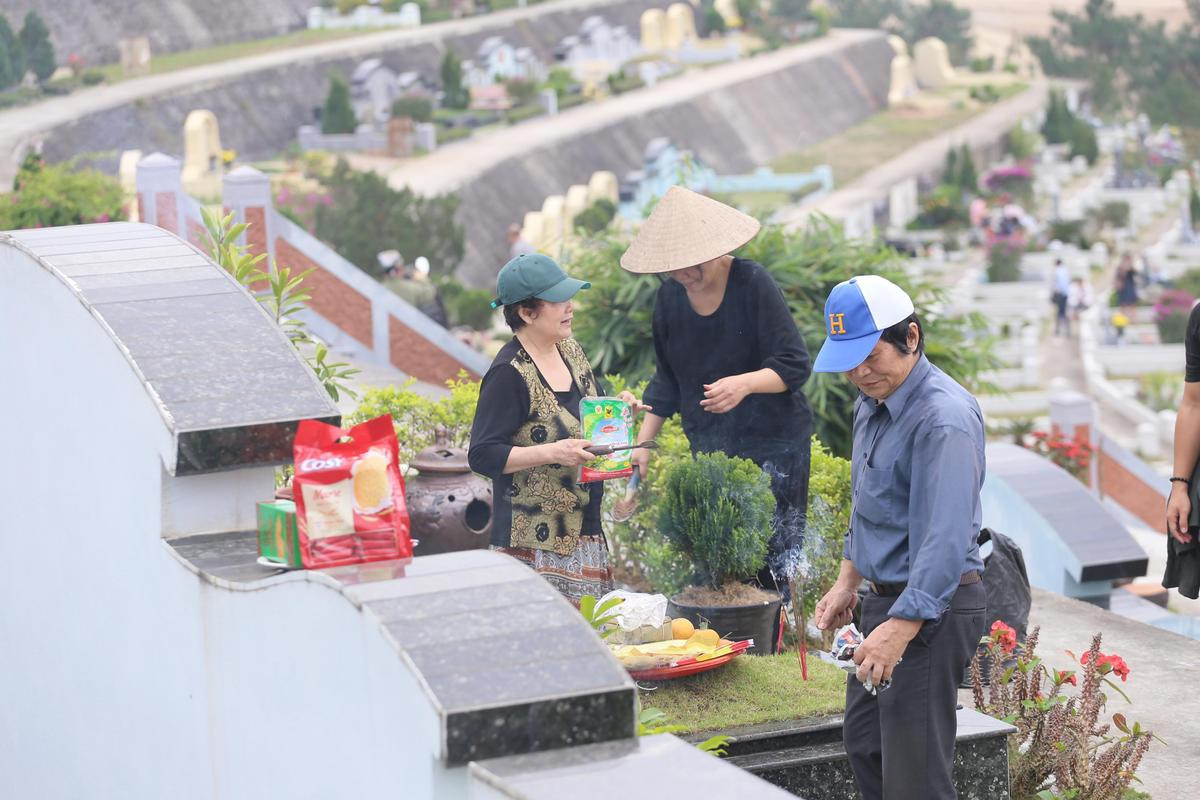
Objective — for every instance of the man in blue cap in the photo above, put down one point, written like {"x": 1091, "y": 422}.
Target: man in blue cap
{"x": 918, "y": 465}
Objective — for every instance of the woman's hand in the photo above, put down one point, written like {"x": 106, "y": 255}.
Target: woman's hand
{"x": 634, "y": 404}
{"x": 1179, "y": 507}
{"x": 568, "y": 452}
{"x": 641, "y": 460}
{"x": 725, "y": 395}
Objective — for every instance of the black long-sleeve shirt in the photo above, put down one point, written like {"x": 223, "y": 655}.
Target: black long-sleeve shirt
{"x": 751, "y": 329}
{"x": 503, "y": 407}
{"x": 1191, "y": 347}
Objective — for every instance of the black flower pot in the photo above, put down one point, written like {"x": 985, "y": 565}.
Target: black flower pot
{"x": 736, "y": 623}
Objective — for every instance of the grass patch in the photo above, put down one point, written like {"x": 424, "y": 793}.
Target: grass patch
{"x": 879, "y": 138}
{"x": 169, "y": 62}
{"x": 750, "y": 690}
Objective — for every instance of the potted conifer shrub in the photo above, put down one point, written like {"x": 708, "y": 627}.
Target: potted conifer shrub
{"x": 717, "y": 512}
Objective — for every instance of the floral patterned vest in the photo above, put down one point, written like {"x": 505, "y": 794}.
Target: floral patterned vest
{"x": 547, "y": 503}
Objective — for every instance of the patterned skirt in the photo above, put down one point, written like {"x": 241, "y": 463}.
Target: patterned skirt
{"x": 585, "y": 571}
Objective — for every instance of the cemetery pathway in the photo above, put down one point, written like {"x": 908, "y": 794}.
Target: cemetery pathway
{"x": 21, "y": 127}
{"x": 452, "y": 166}
{"x": 926, "y": 158}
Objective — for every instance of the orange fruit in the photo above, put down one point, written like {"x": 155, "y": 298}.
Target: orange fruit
{"x": 682, "y": 628}
{"x": 707, "y": 637}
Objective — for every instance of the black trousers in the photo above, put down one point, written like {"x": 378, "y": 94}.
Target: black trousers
{"x": 901, "y": 742}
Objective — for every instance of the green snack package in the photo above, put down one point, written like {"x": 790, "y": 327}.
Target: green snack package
{"x": 278, "y": 540}
{"x": 607, "y": 421}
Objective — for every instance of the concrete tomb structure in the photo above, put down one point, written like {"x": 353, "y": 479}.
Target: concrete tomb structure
{"x": 904, "y": 76}
{"x": 933, "y": 63}
{"x": 203, "y": 163}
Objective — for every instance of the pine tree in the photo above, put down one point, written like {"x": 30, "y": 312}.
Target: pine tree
{"x": 10, "y": 55}
{"x": 452, "y": 86}
{"x": 337, "y": 116}
{"x": 968, "y": 176}
{"x": 950, "y": 172}
{"x": 36, "y": 48}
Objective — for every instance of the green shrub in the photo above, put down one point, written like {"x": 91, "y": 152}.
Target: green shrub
{"x": 982, "y": 64}
{"x": 455, "y": 94}
{"x": 337, "y": 116}
{"x": 1070, "y": 231}
{"x": 829, "y": 496}
{"x": 1189, "y": 282}
{"x": 522, "y": 113}
{"x": 596, "y": 217}
{"x": 1113, "y": 214}
{"x": 1083, "y": 142}
{"x": 717, "y": 511}
{"x": 47, "y": 195}
{"x": 36, "y": 51}
{"x": 1160, "y": 391}
{"x": 91, "y": 77}
{"x": 1060, "y": 122}
{"x": 943, "y": 207}
{"x": 1172, "y": 328}
{"x": 1004, "y": 263}
{"x": 522, "y": 93}
{"x": 418, "y": 109}
{"x": 448, "y": 135}
{"x": 713, "y": 22}
{"x": 469, "y": 307}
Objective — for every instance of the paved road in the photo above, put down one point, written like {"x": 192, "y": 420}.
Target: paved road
{"x": 452, "y": 166}
{"x": 20, "y": 127}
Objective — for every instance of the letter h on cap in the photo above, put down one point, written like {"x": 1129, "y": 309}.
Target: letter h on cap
{"x": 837, "y": 324}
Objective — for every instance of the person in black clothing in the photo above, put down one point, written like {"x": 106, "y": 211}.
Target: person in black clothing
{"x": 526, "y": 434}
{"x": 730, "y": 360}
{"x": 1183, "y": 516}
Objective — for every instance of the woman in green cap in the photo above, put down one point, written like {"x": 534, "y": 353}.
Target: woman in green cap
{"x": 526, "y": 435}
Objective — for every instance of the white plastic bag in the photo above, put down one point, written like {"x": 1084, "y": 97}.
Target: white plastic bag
{"x": 638, "y": 609}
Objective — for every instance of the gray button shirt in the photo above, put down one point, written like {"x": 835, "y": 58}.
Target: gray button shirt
{"x": 918, "y": 466}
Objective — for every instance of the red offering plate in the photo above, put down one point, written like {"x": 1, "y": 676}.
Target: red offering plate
{"x": 690, "y": 666}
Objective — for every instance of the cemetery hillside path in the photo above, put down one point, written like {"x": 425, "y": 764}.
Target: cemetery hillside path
{"x": 21, "y": 127}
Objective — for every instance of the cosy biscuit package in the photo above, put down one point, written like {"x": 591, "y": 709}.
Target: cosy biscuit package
{"x": 607, "y": 421}
{"x": 349, "y": 494}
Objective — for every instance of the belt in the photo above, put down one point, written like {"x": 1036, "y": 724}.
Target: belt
{"x": 895, "y": 589}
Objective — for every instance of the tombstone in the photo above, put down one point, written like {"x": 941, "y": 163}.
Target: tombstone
{"x": 654, "y": 30}
{"x": 410, "y": 15}
{"x": 127, "y": 174}
{"x": 135, "y": 55}
{"x": 1098, "y": 254}
{"x": 399, "y": 137}
{"x": 533, "y": 229}
{"x": 904, "y": 77}
{"x": 202, "y": 161}
{"x": 576, "y": 201}
{"x": 548, "y": 98}
{"x": 425, "y": 135}
{"x": 1079, "y": 165}
{"x": 603, "y": 185}
{"x": 681, "y": 26}
{"x": 372, "y": 91}
{"x": 553, "y": 228}
{"x": 933, "y": 63}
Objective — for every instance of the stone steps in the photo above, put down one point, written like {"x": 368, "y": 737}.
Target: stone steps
{"x": 807, "y": 757}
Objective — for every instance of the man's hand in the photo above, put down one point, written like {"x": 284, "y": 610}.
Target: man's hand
{"x": 1179, "y": 507}
{"x": 836, "y": 608}
{"x": 635, "y": 404}
{"x": 725, "y": 395}
{"x": 879, "y": 653}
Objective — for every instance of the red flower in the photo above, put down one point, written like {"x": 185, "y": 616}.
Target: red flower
{"x": 1110, "y": 663}
{"x": 1003, "y": 636}
{"x": 1065, "y": 676}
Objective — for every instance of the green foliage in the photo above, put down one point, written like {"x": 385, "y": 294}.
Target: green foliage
{"x": 1189, "y": 282}
{"x": 1004, "y": 263}
{"x": 1021, "y": 143}
{"x": 596, "y": 217}
{"x": 981, "y": 64}
{"x": 1083, "y": 142}
{"x": 36, "y": 51}
{"x": 824, "y": 19}
{"x": 717, "y": 511}
{"x": 522, "y": 113}
{"x": 1070, "y": 231}
{"x": 1172, "y": 328}
{"x": 652, "y": 722}
{"x": 968, "y": 176}
{"x": 522, "y": 92}
{"x": 417, "y": 418}
{"x": 1160, "y": 391}
{"x": 47, "y": 195}
{"x": 940, "y": 18}
{"x": 829, "y": 498}
{"x": 456, "y": 95}
{"x": 599, "y": 616}
{"x": 560, "y": 80}
{"x": 713, "y": 21}
{"x": 1060, "y": 122}
{"x": 283, "y": 298}
{"x": 862, "y": 13}
{"x": 619, "y": 82}
{"x": 366, "y": 216}
{"x": 950, "y": 168}
{"x": 418, "y": 109}
{"x": 984, "y": 94}
{"x": 469, "y": 307}
{"x": 1113, "y": 214}
{"x": 337, "y": 116}
{"x": 11, "y": 62}
{"x": 91, "y": 77}
{"x": 943, "y": 207}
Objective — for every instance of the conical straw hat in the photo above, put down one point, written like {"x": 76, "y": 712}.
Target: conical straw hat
{"x": 687, "y": 229}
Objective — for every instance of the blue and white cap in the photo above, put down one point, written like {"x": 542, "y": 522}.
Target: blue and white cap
{"x": 856, "y": 314}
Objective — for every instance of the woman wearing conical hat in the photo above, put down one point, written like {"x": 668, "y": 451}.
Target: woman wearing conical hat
{"x": 730, "y": 360}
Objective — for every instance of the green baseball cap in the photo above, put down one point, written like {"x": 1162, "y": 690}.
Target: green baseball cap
{"x": 534, "y": 275}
